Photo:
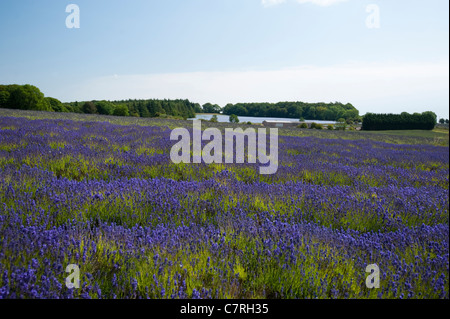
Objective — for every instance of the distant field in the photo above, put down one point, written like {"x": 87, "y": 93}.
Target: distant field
{"x": 436, "y": 137}
{"x": 436, "y": 133}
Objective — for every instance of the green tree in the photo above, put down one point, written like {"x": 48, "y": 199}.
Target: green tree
{"x": 234, "y": 118}
{"x": 312, "y": 111}
{"x": 104, "y": 107}
{"x": 403, "y": 121}
{"x": 303, "y": 125}
{"x": 121, "y": 110}
{"x": 4, "y": 99}
{"x": 341, "y": 124}
{"x": 89, "y": 108}
{"x": 56, "y": 105}
{"x": 211, "y": 108}
{"x": 198, "y": 108}
{"x": 214, "y": 119}
{"x": 29, "y": 97}
{"x": 143, "y": 110}
{"x": 237, "y": 109}
{"x": 69, "y": 108}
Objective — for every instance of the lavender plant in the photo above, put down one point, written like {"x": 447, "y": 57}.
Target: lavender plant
{"x": 106, "y": 197}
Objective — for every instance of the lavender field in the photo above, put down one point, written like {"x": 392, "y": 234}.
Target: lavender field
{"x": 107, "y": 198}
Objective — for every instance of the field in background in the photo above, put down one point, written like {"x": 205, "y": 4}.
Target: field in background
{"x": 436, "y": 133}
{"x": 438, "y": 137}
{"x": 101, "y": 192}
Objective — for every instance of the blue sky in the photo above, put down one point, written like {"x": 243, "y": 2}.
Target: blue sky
{"x": 228, "y": 51}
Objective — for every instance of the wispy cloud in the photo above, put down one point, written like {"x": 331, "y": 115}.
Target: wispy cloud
{"x": 322, "y": 3}
{"x": 370, "y": 87}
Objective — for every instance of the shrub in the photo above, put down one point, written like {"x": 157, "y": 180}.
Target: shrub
{"x": 234, "y": 118}
{"x": 121, "y": 110}
{"x": 89, "y": 108}
{"x": 105, "y": 107}
{"x": 403, "y": 121}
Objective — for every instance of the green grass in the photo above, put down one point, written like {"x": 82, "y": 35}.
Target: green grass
{"x": 438, "y": 136}
{"x": 436, "y": 133}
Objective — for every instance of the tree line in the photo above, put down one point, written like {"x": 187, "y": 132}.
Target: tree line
{"x": 404, "y": 121}
{"x": 297, "y": 110}
{"x": 138, "y": 108}
{"x": 29, "y": 97}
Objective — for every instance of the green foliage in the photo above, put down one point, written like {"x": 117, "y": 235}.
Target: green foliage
{"x": 234, "y": 118}
{"x": 316, "y": 126}
{"x": 341, "y": 124}
{"x": 89, "y": 108}
{"x": 214, "y": 119}
{"x": 198, "y": 108}
{"x": 145, "y": 108}
{"x": 24, "y": 97}
{"x": 104, "y": 107}
{"x": 403, "y": 121}
{"x": 313, "y": 111}
{"x": 4, "y": 98}
{"x": 303, "y": 125}
{"x": 211, "y": 108}
{"x": 56, "y": 105}
{"x": 29, "y": 97}
{"x": 330, "y": 127}
{"x": 74, "y": 107}
{"x": 121, "y": 110}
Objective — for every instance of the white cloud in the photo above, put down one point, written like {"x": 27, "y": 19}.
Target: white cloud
{"x": 370, "y": 87}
